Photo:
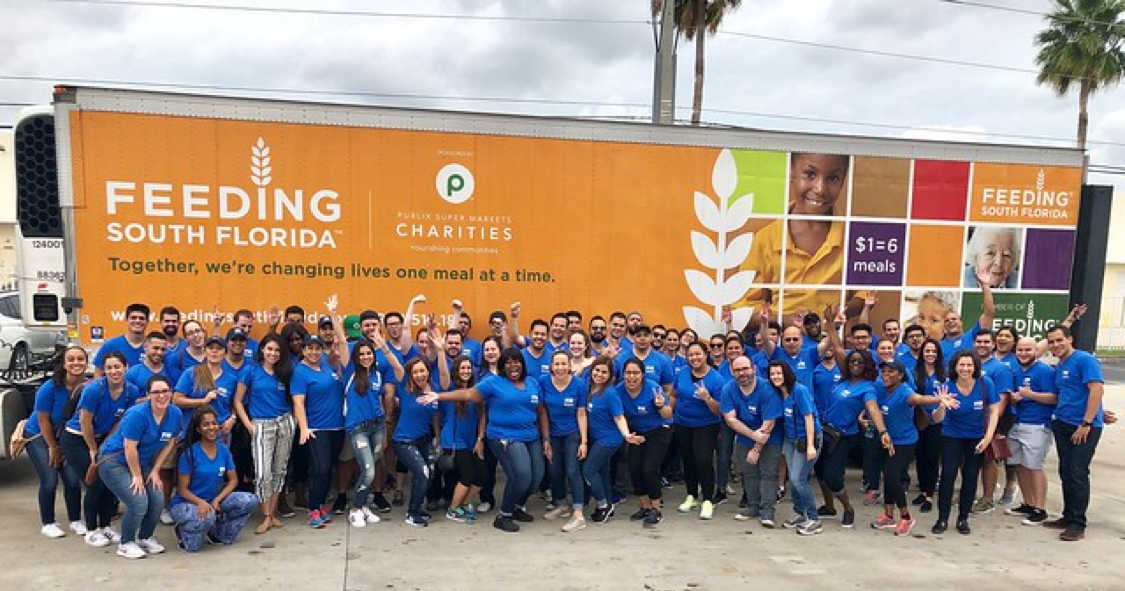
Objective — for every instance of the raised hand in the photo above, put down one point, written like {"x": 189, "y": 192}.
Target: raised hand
{"x": 418, "y": 299}
{"x": 871, "y": 300}
{"x": 331, "y": 303}
{"x": 515, "y": 310}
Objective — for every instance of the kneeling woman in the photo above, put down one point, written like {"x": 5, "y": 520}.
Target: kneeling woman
{"x": 512, "y": 402}
{"x": 205, "y": 503}
{"x": 129, "y": 466}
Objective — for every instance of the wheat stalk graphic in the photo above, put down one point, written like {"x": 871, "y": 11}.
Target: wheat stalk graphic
{"x": 714, "y": 288}
{"x": 260, "y": 164}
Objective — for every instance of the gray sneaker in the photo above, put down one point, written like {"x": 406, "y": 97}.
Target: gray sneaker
{"x": 810, "y": 528}
{"x": 766, "y": 522}
{"x": 746, "y": 514}
{"x": 794, "y": 522}
{"x": 1008, "y": 497}
{"x": 983, "y": 505}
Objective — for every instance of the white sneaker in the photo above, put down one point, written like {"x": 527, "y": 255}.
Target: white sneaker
{"x": 151, "y": 546}
{"x": 97, "y": 539}
{"x": 130, "y": 550}
{"x": 484, "y": 507}
{"x": 370, "y": 515}
{"x": 706, "y": 510}
{"x": 111, "y": 535}
{"x": 356, "y": 518}
{"x": 52, "y": 530}
{"x": 166, "y": 518}
{"x": 78, "y": 528}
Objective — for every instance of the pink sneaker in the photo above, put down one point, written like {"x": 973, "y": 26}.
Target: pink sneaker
{"x": 905, "y": 526}
{"x": 884, "y": 521}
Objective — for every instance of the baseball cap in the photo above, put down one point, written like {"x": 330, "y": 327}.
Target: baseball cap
{"x": 314, "y": 340}
{"x": 216, "y": 339}
{"x": 236, "y": 333}
{"x": 351, "y": 326}
{"x": 324, "y": 322}
{"x": 895, "y": 365}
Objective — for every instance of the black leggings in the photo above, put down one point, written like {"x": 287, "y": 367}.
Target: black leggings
{"x": 697, "y": 448}
{"x": 831, "y": 467}
{"x": 958, "y": 453}
{"x": 894, "y": 467}
{"x": 928, "y": 456}
{"x": 470, "y": 468}
{"x": 645, "y": 461}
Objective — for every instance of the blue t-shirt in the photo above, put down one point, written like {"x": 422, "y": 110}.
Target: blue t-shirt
{"x": 120, "y": 344}
{"x": 208, "y": 475}
{"x": 725, "y": 370}
{"x": 176, "y": 365}
{"x": 898, "y": 415}
{"x": 679, "y": 362}
{"x": 415, "y": 420}
{"x": 324, "y": 396}
{"x": 601, "y": 409}
{"x": 950, "y": 346}
{"x": 1000, "y": 374}
{"x": 265, "y": 396}
{"x": 97, "y": 400}
{"x": 536, "y": 366}
{"x": 1039, "y": 377}
{"x": 754, "y": 409}
{"x": 969, "y": 420}
{"x": 658, "y": 367}
{"x": 1072, "y": 381}
{"x": 906, "y": 357}
{"x": 846, "y": 404}
{"x": 138, "y": 375}
{"x": 690, "y": 410}
{"x": 225, "y": 385}
{"x": 562, "y": 405}
{"x": 368, "y": 406}
{"x": 761, "y": 362}
{"x": 251, "y": 351}
{"x": 641, "y": 412}
{"x": 473, "y": 349}
{"x": 795, "y": 408}
{"x": 824, "y": 381}
{"x": 139, "y": 425}
{"x": 52, "y": 399}
{"x": 239, "y": 371}
{"x": 803, "y": 364}
{"x": 458, "y": 431}
{"x": 512, "y": 411}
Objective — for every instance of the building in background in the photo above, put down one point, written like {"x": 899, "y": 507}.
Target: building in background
{"x": 1111, "y": 332}
{"x": 7, "y": 210}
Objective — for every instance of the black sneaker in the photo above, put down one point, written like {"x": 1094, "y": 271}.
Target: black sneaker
{"x": 824, "y": 512}
{"x": 780, "y": 494}
{"x": 927, "y": 506}
{"x": 848, "y": 520}
{"x": 602, "y": 514}
{"x": 397, "y": 499}
{"x": 212, "y": 539}
{"x": 742, "y": 502}
{"x": 963, "y": 527}
{"x": 918, "y": 500}
{"x": 939, "y": 527}
{"x": 653, "y": 518}
{"x": 639, "y": 514}
{"x": 380, "y": 502}
{"x": 719, "y": 498}
{"x": 1023, "y": 509}
{"x": 522, "y": 516}
{"x": 1036, "y": 517}
{"x": 283, "y": 508}
{"x": 341, "y": 505}
{"x": 505, "y": 523}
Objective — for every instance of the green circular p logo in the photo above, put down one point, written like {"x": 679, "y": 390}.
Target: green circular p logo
{"x": 455, "y": 183}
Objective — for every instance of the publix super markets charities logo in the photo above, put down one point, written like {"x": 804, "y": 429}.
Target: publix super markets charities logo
{"x": 444, "y": 231}
{"x": 264, "y": 216}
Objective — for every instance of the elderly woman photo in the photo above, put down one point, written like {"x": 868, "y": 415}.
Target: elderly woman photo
{"x": 992, "y": 252}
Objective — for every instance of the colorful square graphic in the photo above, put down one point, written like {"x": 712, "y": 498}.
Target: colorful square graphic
{"x": 876, "y": 253}
{"x": 940, "y": 190}
{"x": 762, "y": 174}
{"x": 1031, "y": 314}
{"x": 880, "y": 187}
{"x": 1047, "y": 259}
{"x": 1040, "y": 195}
{"x": 935, "y": 256}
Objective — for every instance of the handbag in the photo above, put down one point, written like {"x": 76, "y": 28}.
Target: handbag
{"x": 998, "y": 449}
{"x": 832, "y": 437}
{"x": 18, "y": 443}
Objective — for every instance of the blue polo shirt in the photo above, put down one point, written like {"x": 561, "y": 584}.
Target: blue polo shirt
{"x": 512, "y": 410}
{"x": 968, "y": 421}
{"x": 690, "y": 410}
{"x": 898, "y": 414}
{"x": 121, "y": 345}
{"x": 964, "y": 342}
{"x": 324, "y": 396}
{"x": 795, "y": 408}
{"x": 266, "y": 397}
{"x": 846, "y": 403}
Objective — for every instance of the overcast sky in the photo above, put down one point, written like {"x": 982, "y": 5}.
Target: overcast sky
{"x": 598, "y": 63}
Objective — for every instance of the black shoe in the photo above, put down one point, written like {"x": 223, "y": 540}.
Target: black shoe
{"x": 963, "y": 527}
{"x": 425, "y": 514}
{"x": 505, "y": 523}
{"x": 212, "y": 539}
{"x": 719, "y": 498}
{"x": 848, "y": 520}
{"x": 1036, "y": 517}
{"x": 742, "y": 502}
{"x": 380, "y": 502}
{"x": 927, "y": 506}
{"x": 824, "y": 512}
{"x": 522, "y": 516}
{"x": 602, "y": 514}
{"x": 780, "y": 494}
{"x": 397, "y": 499}
{"x": 341, "y": 504}
{"x": 639, "y": 514}
{"x": 283, "y": 508}
{"x": 1023, "y": 509}
{"x": 940, "y": 527}
{"x": 918, "y": 500}
{"x": 653, "y": 518}
{"x": 1060, "y": 523}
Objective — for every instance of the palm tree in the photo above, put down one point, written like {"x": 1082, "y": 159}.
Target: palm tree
{"x": 1082, "y": 44}
{"x": 695, "y": 19}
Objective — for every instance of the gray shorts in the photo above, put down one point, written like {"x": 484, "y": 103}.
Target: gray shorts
{"x": 1029, "y": 445}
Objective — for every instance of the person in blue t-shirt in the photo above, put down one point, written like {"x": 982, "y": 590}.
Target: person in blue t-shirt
{"x": 43, "y": 446}
{"x": 535, "y": 354}
{"x": 205, "y": 504}
{"x": 101, "y": 405}
{"x": 1078, "y": 422}
{"x": 840, "y": 423}
{"x": 210, "y": 383}
{"x": 1003, "y": 378}
{"x": 650, "y": 416}
{"x": 318, "y": 405}
{"x": 566, "y": 441}
{"x": 608, "y": 430}
{"x": 890, "y": 406}
{"x": 581, "y": 352}
{"x": 461, "y": 434}
{"x": 956, "y": 337}
{"x": 131, "y": 344}
{"x": 262, "y": 404}
{"x": 129, "y": 464}
{"x": 968, "y": 425}
{"x": 512, "y": 401}
{"x": 1034, "y": 400}
{"x": 189, "y": 354}
{"x": 801, "y": 445}
{"x": 929, "y": 373}
{"x": 152, "y": 363}
{"x": 413, "y": 438}
{"x": 752, "y": 409}
{"x": 696, "y": 419}
{"x": 802, "y": 360}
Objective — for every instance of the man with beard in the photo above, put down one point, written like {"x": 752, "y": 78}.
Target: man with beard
{"x": 618, "y": 327}
{"x": 170, "y": 319}
{"x": 598, "y": 338}
{"x": 463, "y": 323}
{"x": 152, "y": 363}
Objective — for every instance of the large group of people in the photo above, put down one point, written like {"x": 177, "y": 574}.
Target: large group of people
{"x": 199, "y": 430}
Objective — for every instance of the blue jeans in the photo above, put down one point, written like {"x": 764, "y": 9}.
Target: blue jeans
{"x": 40, "y": 456}
{"x": 142, "y": 512}
{"x": 596, "y": 471}
{"x": 323, "y": 451}
{"x": 566, "y": 467}
{"x": 233, "y": 513}
{"x": 415, "y": 455}
{"x": 367, "y": 442}
{"x": 522, "y": 462}
{"x": 724, "y": 449}
{"x": 804, "y": 503}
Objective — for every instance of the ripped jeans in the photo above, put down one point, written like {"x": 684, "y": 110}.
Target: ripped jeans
{"x": 367, "y": 442}
{"x": 415, "y": 455}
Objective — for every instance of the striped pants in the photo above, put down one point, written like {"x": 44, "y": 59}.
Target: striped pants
{"x": 273, "y": 439}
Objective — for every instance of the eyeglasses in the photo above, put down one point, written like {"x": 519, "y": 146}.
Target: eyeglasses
{"x": 164, "y": 391}
{"x": 658, "y": 335}
{"x": 791, "y": 339}
{"x": 597, "y": 329}
{"x": 716, "y": 345}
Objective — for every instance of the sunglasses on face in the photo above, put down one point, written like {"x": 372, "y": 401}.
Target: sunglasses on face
{"x": 658, "y": 335}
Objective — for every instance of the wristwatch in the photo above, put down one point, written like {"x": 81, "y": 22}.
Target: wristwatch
{"x": 1086, "y": 423}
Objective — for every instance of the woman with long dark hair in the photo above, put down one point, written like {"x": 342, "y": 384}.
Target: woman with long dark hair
{"x": 696, "y": 420}
{"x": 417, "y": 422}
{"x": 649, "y": 414}
{"x": 491, "y": 348}
{"x": 608, "y": 430}
{"x": 461, "y": 434}
{"x": 929, "y": 374}
{"x": 205, "y": 504}
{"x": 801, "y": 446}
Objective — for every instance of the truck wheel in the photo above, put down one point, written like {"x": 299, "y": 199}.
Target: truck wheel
{"x": 18, "y": 363}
